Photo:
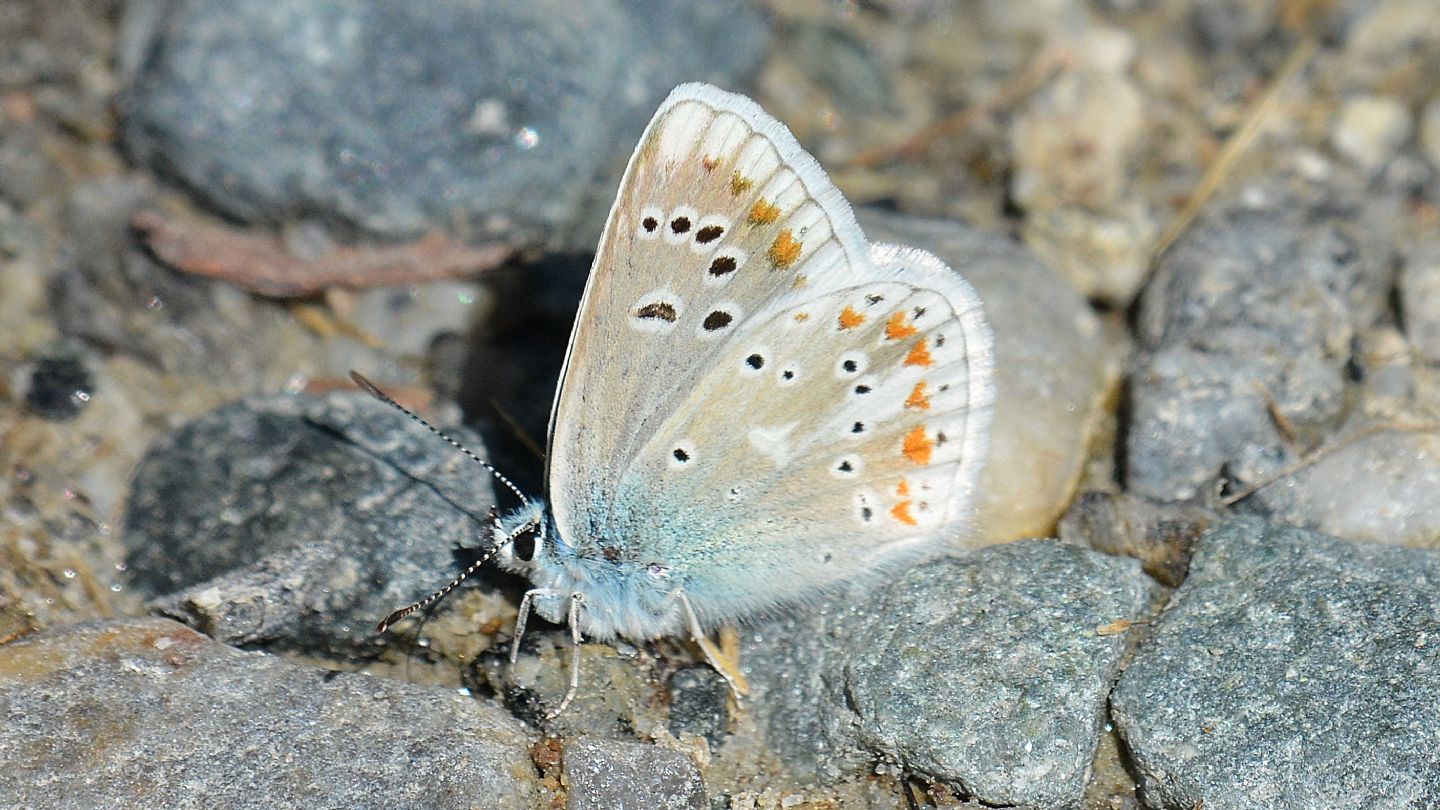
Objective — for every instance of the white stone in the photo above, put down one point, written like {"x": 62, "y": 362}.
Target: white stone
{"x": 1369, "y": 129}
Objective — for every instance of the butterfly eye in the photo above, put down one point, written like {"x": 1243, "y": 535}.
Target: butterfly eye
{"x": 523, "y": 547}
{"x": 657, "y": 570}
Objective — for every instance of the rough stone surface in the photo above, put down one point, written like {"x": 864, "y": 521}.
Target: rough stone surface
{"x": 1252, "y": 315}
{"x": 1419, "y": 290}
{"x": 1053, "y": 373}
{"x": 301, "y": 521}
{"x": 396, "y": 118}
{"x": 1381, "y": 487}
{"x": 143, "y": 713}
{"x": 611, "y": 775}
{"x": 617, "y": 694}
{"x": 1291, "y": 670}
{"x": 983, "y": 671}
{"x": 1076, "y": 146}
{"x": 1160, "y": 535}
{"x": 698, "y": 697}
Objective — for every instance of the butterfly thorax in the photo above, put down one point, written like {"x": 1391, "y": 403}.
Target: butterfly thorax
{"x": 622, "y": 595}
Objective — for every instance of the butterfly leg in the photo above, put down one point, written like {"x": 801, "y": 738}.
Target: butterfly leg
{"x": 574, "y": 619}
{"x": 728, "y": 668}
{"x": 526, "y": 602}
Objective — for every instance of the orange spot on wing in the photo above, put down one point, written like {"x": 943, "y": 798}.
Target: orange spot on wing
{"x": 918, "y": 399}
{"x": 903, "y": 488}
{"x": 896, "y": 328}
{"x": 801, "y": 317}
{"x": 901, "y": 512}
{"x": 919, "y": 355}
{"x": 709, "y": 163}
{"x": 739, "y": 185}
{"x": 785, "y": 250}
{"x": 849, "y": 318}
{"x": 763, "y": 212}
{"x": 800, "y": 281}
{"x": 918, "y": 446}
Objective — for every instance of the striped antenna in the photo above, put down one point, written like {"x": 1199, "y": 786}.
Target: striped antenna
{"x": 390, "y": 620}
{"x": 385, "y": 398}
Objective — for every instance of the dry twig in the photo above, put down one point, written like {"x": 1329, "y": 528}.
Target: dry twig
{"x": 261, "y": 263}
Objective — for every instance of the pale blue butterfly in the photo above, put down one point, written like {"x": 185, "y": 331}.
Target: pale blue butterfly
{"x": 757, "y": 404}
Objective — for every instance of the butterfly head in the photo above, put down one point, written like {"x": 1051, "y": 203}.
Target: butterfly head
{"x": 622, "y": 594}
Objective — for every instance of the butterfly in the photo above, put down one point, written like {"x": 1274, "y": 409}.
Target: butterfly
{"x": 757, "y": 404}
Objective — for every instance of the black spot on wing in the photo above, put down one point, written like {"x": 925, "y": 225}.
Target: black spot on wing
{"x": 658, "y": 310}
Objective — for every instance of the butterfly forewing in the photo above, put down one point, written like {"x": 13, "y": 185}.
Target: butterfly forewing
{"x": 720, "y": 215}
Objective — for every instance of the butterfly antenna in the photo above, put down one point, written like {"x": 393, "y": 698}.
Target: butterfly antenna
{"x": 372, "y": 390}
{"x": 500, "y": 543}
{"x": 390, "y": 620}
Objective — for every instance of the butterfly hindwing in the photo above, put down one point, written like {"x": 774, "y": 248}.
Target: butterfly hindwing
{"x": 836, "y": 439}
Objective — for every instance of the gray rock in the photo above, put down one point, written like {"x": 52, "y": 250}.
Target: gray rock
{"x": 494, "y": 119}
{"x": 28, "y": 173}
{"x": 983, "y": 671}
{"x": 1378, "y": 481}
{"x": 611, "y": 775}
{"x": 698, "y": 698}
{"x": 1160, "y": 535}
{"x": 1234, "y": 26}
{"x": 1291, "y": 670}
{"x": 844, "y": 65}
{"x": 617, "y": 693}
{"x": 143, "y": 713}
{"x": 301, "y": 521}
{"x": 1248, "y": 323}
